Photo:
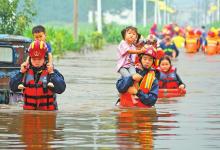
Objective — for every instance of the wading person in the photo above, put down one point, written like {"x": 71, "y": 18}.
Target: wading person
{"x": 147, "y": 90}
{"x": 33, "y": 80}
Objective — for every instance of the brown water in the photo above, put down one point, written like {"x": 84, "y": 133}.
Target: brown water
{"x": 88, "y": 119}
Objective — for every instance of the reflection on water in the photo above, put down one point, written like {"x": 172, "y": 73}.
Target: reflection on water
{"x": 135, "y": 128}
{"x": 27, "y": 130}
{"x": 88, "y": 119}
{"x": 37, "y": 130}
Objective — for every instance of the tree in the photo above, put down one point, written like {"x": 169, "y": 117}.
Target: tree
{"x": 15, "y": 16}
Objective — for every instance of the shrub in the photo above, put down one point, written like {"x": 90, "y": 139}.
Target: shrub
{"x": 96, "y": 40}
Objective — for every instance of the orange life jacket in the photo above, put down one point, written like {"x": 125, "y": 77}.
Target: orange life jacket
{"x": 191, "y": 44}
{"x": 212, "y": 46}
{"x": 168, "y": 80}
{"x": 145, "y": 86}
{"x": 35, "y": 96}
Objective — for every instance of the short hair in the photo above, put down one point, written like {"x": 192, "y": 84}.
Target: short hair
{"x": 38, "y": 29}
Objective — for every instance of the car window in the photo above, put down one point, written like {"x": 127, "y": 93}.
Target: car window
{"x": 6, "y": 54}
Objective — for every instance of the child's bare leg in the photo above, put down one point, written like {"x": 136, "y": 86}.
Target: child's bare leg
{"x": 133, "y": 98}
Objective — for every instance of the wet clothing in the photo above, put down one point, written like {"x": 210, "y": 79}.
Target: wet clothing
{"x": 168, "y": 49}
{"x": 49, "y": 48}
{"x": 168, "y": 80}
{"x": 34, "y": 95}
{"x": 127, "y": 71}
{"x": 147, "y": 97}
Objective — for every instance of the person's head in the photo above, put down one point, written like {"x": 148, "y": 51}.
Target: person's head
{"x": 191, "y": 32}
{"x": 151, "y": 40}
{"x": 198, "y": 32}
{"x": 211, "y": 34}
{"x": 165, "y": 63}
{"x": 39, "y": 33}
{"x": 130, "y": 34}
{"x": 37, "y": 53}
{"x": 167, "y": 38}
{"x": 148, "y": 57}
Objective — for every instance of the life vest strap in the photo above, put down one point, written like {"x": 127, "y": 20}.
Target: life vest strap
{"x": 167, "y": 81}
{"x": 34, "y": 85}
{"x": 40, "y": 105}
{"x": 38, "y": 97}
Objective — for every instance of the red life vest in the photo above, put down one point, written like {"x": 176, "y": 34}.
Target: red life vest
{"x": 168, "y": 80}
{"x": 35, "y": 97}
{"x": 145, "y": 85}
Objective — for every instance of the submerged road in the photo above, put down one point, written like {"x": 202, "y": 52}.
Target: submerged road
{"x": 88, "y": 119}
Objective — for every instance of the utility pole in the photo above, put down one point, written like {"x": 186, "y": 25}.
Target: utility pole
{"x": 99, "y": 16}
{"x": 75, "y": 19}
{"x": 134, "y": 12}
{"x": 145, "y": 13}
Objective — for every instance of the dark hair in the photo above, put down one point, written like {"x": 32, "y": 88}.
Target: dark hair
{"x": 165, "y": 58}
{"x": 38, "y": 29}
{"x": 123, "y": 32}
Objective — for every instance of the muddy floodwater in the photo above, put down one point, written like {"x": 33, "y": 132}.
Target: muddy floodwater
{"x": 88, "y": 119}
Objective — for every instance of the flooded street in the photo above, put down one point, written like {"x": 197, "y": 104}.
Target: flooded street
{"x": 88, "y": 118}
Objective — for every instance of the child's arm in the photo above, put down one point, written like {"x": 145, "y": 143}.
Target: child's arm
{"x": 136, "y": 51}
{"x": 151, "y": 97}
{"x": 50, "y": 58}
{"x": 176, "y": 50}
{"x": 27, "y": 60}
{"x": 180, "y": 82}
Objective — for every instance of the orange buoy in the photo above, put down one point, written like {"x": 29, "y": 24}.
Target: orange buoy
{"x": 167, "y": 93}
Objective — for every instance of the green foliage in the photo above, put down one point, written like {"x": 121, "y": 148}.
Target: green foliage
{"x": 78, "y": 45}
{"x": 61, "y": 39}
{"x": 144, "y": 30}
{"x": 13, "y": 21}
{"x": 96, "y": 40}
{"x": 112, "y": 33}
{"x": 215, "y": 25}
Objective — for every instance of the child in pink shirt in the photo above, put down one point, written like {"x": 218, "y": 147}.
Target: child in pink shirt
{"x": 127, "y": 52}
